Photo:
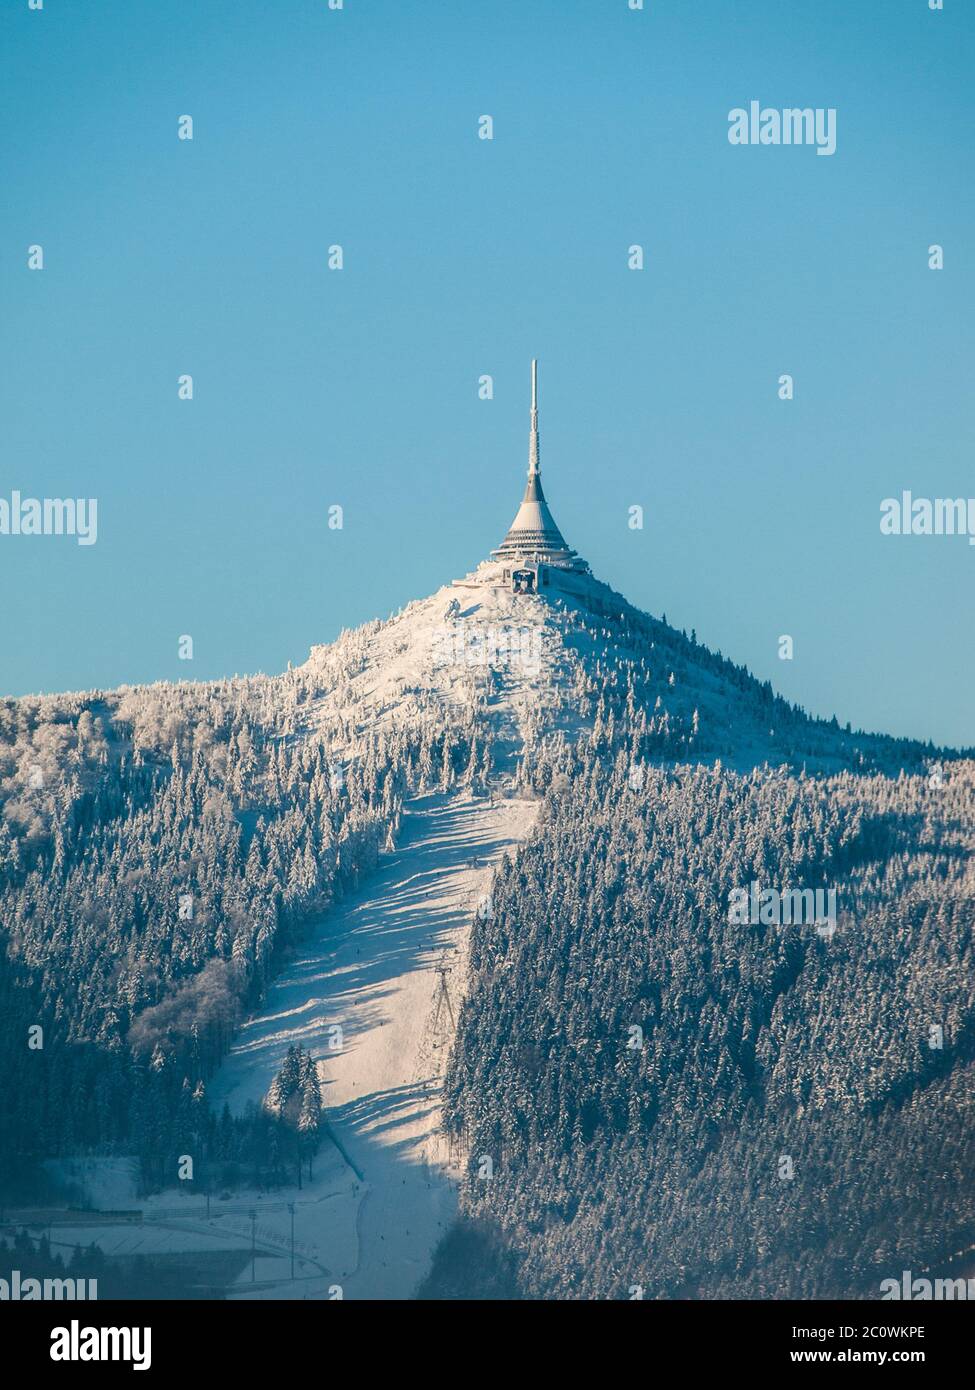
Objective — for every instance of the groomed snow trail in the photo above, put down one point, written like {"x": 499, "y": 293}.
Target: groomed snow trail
{"x": 369, "y": 968}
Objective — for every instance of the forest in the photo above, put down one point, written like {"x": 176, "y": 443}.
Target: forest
{"x": 161, "y": 850}
{"x": 650, "y": 1099}
{"x": 657, "y": 1102}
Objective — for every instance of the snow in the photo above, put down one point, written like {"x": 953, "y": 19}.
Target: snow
{"x": 363, "y": 993}
{"x": 177, "y": 1222}
{"x": 364, "y": 1228}
{"x": 384, "y": 1189}
{"x": 392, "y": 670}
{"x": 369, "y": 968}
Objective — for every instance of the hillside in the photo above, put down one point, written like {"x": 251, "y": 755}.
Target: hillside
{"x": 187, "y": 869}
{"x": 675, "y": 1103}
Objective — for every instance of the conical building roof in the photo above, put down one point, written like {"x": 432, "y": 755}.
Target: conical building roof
{"x": 534, "y": 535}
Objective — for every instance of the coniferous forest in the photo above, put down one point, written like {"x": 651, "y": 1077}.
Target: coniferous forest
{"x": 160, "y": 852}
{"x": 649, "y": 1098}
{"x": 656, "y": 1102}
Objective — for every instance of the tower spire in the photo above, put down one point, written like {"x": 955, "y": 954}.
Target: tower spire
{"x": 533, "y": 537}
{"x": 533, "y": 435}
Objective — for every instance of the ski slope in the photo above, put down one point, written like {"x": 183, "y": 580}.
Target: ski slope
{"x": 368, "y": 968}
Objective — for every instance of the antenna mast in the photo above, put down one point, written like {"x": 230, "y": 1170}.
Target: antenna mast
{"x": 533, "y": 437}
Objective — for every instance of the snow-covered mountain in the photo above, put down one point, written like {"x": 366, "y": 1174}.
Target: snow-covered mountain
{"x": 336, "y": 831}
{"x": 197, "y": 878}
{"x": 556, "y": 660}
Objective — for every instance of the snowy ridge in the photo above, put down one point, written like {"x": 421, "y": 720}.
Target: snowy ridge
{"x": 496, "y": 645}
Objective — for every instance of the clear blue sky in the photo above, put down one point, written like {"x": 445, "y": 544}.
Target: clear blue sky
{"x": 463, "y": 257}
